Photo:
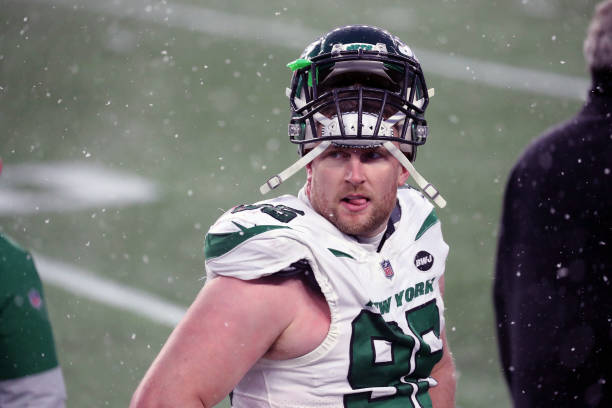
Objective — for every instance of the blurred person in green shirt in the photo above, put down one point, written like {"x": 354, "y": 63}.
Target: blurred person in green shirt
{"x": 30, "y": 375}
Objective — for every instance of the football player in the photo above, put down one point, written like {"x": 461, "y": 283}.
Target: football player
{"x": 333, "y": 297}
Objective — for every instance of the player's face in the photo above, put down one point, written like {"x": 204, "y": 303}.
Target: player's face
{"x": 355, "y": 188}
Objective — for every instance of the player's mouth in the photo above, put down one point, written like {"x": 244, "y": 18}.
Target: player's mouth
{"x": 355, "y": 202}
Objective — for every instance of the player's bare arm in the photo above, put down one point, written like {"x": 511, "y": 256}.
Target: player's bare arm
{"x": 231, "y": 324}
{"x": 443, "y": 395}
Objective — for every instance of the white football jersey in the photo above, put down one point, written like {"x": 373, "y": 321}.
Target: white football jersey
{"x": 386, "y": 307}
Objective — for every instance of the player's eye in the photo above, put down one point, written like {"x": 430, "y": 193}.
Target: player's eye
{"x": 336, "y": 154}
{"x": 371, "y": 155}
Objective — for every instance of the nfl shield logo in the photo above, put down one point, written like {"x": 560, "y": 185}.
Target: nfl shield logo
{"x": 35, "y": 298}
{"x": 387, "y": 269}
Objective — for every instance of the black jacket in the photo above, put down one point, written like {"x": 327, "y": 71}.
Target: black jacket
{"x": 553, "y": 276}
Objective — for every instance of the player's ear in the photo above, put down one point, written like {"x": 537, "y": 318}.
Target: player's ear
{"x": 403, "y": 176}
{"x": 308, "y": 171}
{"x": 308, "y": 178}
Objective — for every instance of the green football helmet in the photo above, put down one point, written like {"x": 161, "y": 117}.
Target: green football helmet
{"x": 358, "y": 85}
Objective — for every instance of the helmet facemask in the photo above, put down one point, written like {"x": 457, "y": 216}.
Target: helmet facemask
{"x": 360, "y": 98}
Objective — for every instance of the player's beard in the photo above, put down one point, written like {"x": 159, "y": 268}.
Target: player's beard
{"x": 360, "y": 225}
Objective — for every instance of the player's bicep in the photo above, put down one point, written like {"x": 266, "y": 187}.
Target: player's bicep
{"x": 229, "y": 326}
{"x": 443, "y": 394}
{"x": 238, "y": 321}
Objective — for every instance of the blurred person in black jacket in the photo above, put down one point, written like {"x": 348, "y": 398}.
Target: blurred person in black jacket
{"x": 552, "y": 288}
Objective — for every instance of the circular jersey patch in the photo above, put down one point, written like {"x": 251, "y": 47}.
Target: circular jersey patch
{"x": 424, "y": 260}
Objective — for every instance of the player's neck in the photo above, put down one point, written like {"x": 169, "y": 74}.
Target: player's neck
{"x": 371, "y": 243}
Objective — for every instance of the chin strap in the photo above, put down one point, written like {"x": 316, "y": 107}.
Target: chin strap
{"x": 276, "y": 180}
{"x": 427, "y": 188}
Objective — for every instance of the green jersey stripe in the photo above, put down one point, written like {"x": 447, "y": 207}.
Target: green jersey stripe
{"x": 339, "y": 254}
{"x": 431, "y": 219}
{"x": 219, "y": 244}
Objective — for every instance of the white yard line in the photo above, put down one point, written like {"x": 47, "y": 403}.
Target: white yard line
{"x": 275, "y": 32}
{"x": 85, "y": 283}
{"x": 69, "y": 186}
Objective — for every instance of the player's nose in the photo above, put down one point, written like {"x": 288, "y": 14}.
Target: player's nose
{"x": 355, "y": 171}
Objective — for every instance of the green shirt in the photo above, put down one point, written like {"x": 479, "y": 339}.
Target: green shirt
{"x": 26, "y": 339}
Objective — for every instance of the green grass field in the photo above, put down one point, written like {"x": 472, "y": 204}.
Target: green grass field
{"x": 189, "y": 95}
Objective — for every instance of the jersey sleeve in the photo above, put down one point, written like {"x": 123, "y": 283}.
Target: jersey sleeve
{"x": 250, "y": 245}
{"x": 45, "y": 389}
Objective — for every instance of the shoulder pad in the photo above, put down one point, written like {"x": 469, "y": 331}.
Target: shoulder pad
{"x": 250, "y": 241}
